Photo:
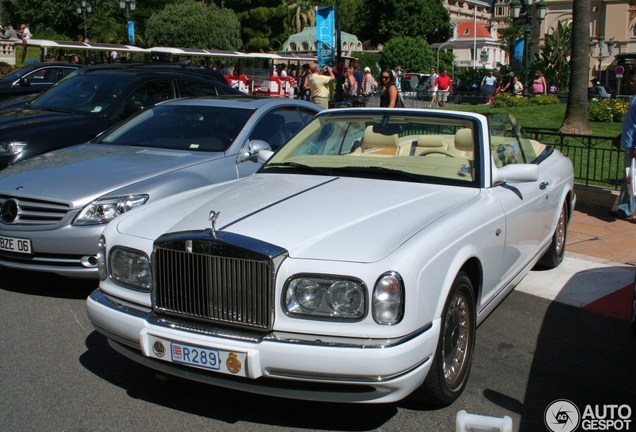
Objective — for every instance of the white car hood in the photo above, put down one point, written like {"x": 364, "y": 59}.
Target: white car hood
{"x": 312, "y": 217}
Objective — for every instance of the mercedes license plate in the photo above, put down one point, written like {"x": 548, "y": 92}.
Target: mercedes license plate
{"x": 17, "y": 245}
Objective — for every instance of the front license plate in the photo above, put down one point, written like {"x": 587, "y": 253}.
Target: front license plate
{"x": 228, "y": 362}
{"x": 17, "y": 245}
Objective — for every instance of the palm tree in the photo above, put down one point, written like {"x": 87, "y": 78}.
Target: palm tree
{"x": 576, "y": 112}
{"x": 303, "y": 14}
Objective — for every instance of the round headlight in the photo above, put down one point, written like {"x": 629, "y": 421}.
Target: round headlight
{"x": 130, "y": 268}
{"x": 346, "y": 298}
{"x": 308, "y": 293}
{"x": 326, "y": 297}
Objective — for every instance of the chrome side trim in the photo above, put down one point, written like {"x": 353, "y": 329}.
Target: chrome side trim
{"x": 278, "y": 373}
{"x": 343, "y": 342}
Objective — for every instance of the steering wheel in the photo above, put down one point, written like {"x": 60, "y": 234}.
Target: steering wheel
{"x": 314, "y": 149}
{"x": 440, "y": 151}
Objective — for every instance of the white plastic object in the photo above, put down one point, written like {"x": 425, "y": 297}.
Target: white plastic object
{"x": 466, "y": 422}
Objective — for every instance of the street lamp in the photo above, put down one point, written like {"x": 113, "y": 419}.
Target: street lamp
{"x": 523, "y": 16}
{"x": 84, "y": 7}
{"x": 601, "y": 43}
{"x": 129, "y": 5}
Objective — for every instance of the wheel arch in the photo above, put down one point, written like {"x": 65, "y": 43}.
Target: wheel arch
{"x": 473, "y": 269}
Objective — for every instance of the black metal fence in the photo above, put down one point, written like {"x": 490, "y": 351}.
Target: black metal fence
{"x": 596, "y": 162}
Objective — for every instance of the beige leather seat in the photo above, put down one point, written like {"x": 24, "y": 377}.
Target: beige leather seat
{"x": 431, "y": 144}
{"x": 380, "y": 144}
{"x": 464, "y": 143}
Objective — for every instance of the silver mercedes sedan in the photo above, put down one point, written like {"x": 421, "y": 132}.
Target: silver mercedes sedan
{"x": 54, "y": 207}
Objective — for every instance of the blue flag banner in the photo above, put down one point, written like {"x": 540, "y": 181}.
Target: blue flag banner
{"x": 517, "y": 58}
{"x": 131, "y": 32}
{"x": 325, "y": 35}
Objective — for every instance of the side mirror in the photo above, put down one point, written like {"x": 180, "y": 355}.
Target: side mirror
{"x": 515, "y": 173}
{"x": 264, "y": 155}
{"x": 25, "y": 82}
{"x": 251, "y": 151}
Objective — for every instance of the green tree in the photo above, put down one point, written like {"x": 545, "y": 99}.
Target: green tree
{"x": 412, "y": 53}
{"x": 194, "y": 25}
{"x": 554, "y": 59}
{"x": 264, "y": 23}
{"x": 59, "y": 19}
{"x": 382, "y": 20}
{"x": 303, "y": 14}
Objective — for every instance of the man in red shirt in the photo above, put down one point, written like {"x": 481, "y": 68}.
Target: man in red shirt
{"x": 444, "y": 85}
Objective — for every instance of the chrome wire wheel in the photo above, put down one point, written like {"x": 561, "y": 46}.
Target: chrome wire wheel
{"x": 456, "y": 339}
{"x": 559, "y": 237}
{"x": 449, "y": 372}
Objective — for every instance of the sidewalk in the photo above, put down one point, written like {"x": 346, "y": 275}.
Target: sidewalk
{"x": 594, "y": 232}
{"x": 597, "y": 273}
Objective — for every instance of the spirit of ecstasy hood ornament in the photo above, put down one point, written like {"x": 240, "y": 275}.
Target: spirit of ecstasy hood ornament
{"x": 213, "y": 217}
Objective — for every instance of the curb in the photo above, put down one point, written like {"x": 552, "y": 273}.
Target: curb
{"x": 590, "y": 196}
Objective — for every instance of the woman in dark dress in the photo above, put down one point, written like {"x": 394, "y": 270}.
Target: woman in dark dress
{"x": 389, "y": 96}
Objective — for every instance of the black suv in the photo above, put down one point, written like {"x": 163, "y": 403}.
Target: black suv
{"x": 92, "y": 99}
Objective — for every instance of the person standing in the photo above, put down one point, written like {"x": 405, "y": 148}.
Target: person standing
{"x": 398, "y": 78}
{"x": 359, "y": 77}
{"x": 24, "y": 32}
{"x": 489, "y": 85}
{"x": 444, "y": 85}
{"x": 303, "y": 84}
{"x": 319, "y": 85}
{"x": 432, "y": 87}
{"x": 390, "y": 94}
{"x": 368, "y": 82}
{"x": 626, "y": 202}
{"x": 539, "y": 86}
{"x": 517, "y": 86}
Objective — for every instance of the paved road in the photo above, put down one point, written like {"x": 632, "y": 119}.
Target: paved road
{"x": 58, "y": 374}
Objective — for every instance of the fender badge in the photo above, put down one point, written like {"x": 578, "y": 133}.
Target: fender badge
{"x": 213, "y": 217}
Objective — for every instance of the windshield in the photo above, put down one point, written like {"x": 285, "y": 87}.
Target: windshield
{"x": 402, "y": 145}
{"x": 86, "y": 93}
{"x": 508, "y": 144}
{"x": 182, "y": 127}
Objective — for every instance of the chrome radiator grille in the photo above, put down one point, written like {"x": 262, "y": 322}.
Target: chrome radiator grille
{"x": 37, "y": 212}
{"x": 214, "y": 282}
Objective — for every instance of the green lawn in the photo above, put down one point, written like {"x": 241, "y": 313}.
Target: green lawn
{"x": 542, "y": 117}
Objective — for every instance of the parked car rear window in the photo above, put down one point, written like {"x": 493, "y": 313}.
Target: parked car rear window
{"x": 182, "y": 127}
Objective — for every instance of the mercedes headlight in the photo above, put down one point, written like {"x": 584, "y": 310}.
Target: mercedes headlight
{"x": 12, "y": 147}
{"x": 130, "y": 268}
{"x": 388, "y": 299}
{"x": 328, "y": 297}
{"x": 104, "y": 210}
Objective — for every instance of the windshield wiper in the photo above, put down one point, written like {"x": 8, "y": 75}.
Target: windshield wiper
{"x": 388, "y": 172}
{"x": 62, "y": 110}
{"x": 298, "y": 165}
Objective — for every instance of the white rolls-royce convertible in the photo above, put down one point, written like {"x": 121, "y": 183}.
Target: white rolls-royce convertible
{"x": 354, "y": 266}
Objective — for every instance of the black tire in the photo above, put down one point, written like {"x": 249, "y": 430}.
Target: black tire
{"x": 555, "y": 253}
{"x": 449, "y": 372}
